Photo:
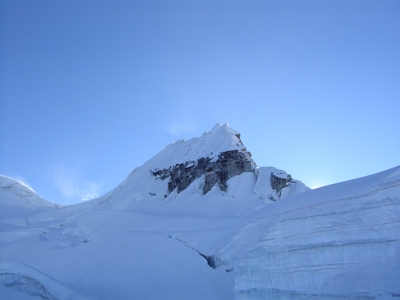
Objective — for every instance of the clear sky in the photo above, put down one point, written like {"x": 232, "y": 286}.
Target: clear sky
{"x": 92, "y": 89}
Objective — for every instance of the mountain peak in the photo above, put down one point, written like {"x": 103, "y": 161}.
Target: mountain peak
{"x": 220, "y": 139}
{"x": 210, "y": 160}
{"x": 218, "y": 154}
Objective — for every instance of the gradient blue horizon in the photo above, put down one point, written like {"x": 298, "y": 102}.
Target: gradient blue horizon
{"x": 89, "y": 90}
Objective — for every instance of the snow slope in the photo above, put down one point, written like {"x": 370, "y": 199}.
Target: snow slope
{"x": 91, "y": 252}
{"x": 265, "y": 236}
{"x": 16, "y": 193}
{"x": 221, "y": 138}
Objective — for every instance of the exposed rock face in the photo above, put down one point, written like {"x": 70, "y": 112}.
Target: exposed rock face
{"x": 229, "y": 164}
{"x": 216, "y": 170}
{"x": 279, "y": 182}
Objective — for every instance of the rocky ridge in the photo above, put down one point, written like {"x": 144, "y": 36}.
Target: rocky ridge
{"x": 217, "y": 168}
{"x": 228, "y": 164}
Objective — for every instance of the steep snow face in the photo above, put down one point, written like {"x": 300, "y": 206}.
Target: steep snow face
{"x": 337, "y": 242}
{"x": 220, "y": 139}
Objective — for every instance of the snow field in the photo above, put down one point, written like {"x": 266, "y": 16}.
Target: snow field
{"x": 337, "y": 242}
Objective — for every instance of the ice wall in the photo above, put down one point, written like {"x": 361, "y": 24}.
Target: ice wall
{"x": 338, "y": 242}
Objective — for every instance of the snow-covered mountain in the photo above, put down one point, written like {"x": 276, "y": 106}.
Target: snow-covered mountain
{"x": 200, "y": 220}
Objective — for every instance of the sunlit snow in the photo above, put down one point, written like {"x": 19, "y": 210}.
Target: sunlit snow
{"x": 336, "y": 242}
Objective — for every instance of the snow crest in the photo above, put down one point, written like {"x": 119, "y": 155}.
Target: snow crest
{"x": 15, "y": 193}
{"x": 220, "y": 139}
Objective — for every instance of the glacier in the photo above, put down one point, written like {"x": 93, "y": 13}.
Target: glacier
{"x": 200, "y": 220}
{"x": 337, "y": 242}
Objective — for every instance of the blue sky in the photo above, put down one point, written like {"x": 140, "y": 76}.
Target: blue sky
{"x": 92, "y": 89}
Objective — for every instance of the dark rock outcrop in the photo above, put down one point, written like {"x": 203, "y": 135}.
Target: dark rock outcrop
{"x": 216, "y": 170}
{"x": 278, "y": 183}
{"x": 229, "y": 164}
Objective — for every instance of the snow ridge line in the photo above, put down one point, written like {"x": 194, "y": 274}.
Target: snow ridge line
{"x": 368, "y": 193}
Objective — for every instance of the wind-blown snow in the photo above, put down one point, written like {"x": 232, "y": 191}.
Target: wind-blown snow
{"x": 16, "y": 193}
{"x": 248, "y": 242}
